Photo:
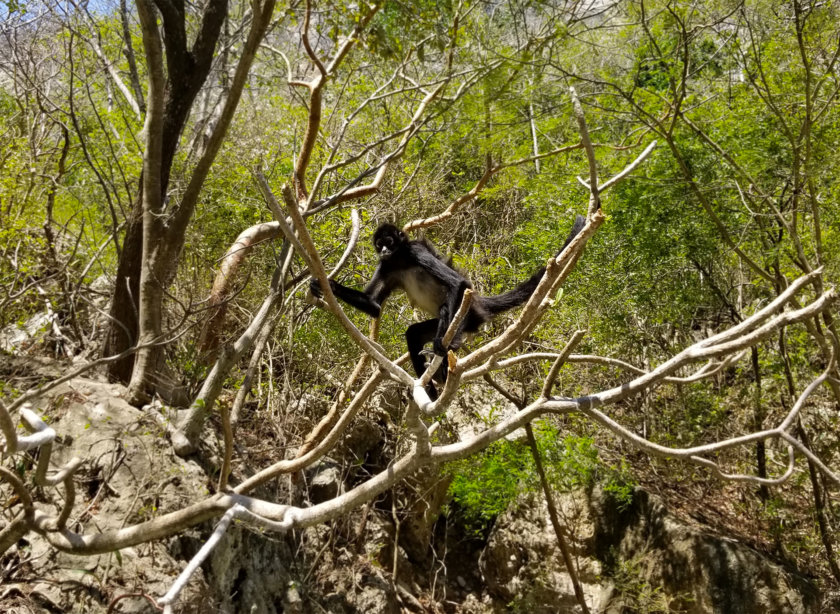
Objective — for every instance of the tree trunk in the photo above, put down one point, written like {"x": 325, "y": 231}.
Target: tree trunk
{"x": 148, "y": 359}
{"x": 122, "y": 328}
{"x": 188, "y": 69}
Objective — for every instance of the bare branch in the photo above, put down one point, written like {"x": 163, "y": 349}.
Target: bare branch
{"x": 303, "y": 243}
{"x": 752, "y": 479}
{"x": 316, "y": 87}
{"x": 307, "y": 44}
{"x": 629, "y": 168}
{"x": 106, "y": 63}
{"x": 489, "y": 171}
{"x": 594, "y": 198}
{"x": 558, "y": 363}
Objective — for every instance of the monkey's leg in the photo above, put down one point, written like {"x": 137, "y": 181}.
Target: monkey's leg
{"x": 447, "y": 312}
{"x": 416, "y": 336}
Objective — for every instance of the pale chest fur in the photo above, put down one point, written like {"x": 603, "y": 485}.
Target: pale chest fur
{"x": 423, "y": 291}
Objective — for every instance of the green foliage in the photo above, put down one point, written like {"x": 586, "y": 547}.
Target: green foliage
{"x": 7, "y": 7}
{"x": 570, "y": 462}
{"x": 387, "y": 36}
{"x": 7, "y": 390}
{"x": 483, "y": 486}
{"x": 619, "y": 484}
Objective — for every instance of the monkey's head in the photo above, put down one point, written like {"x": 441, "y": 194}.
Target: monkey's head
{"x": 387, "y": 239}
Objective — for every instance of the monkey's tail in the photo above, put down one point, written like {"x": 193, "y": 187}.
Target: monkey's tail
{"x": 522, "y": 292}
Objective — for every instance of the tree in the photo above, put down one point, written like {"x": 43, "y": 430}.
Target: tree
{"x": 156, "y": 230}
{"x": 442, "y": 128}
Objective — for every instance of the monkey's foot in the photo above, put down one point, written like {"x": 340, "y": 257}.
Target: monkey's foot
{"x": 431, "y": 391}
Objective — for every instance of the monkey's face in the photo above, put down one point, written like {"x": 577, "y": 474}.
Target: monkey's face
{"x": 386, "y": 240}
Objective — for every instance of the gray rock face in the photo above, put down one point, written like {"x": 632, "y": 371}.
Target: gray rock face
{"x": 522, "y": 564}
{"x": 636, "y": 558}
{"x": 249, "y": 573}
{"x": 130, "y": 475}
{"x": 326, "y": 484}
{"x": 697, "y": 572}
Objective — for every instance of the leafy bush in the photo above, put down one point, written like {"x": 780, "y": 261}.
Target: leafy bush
{"x": 485, "y": 484}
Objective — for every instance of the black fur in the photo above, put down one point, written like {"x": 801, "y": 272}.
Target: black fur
{"x": 432, "y": 285}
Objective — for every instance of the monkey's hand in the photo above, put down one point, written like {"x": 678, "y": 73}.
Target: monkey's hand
{"x": 315, "y": 288}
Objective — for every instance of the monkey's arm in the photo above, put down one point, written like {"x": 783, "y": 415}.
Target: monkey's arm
{"x": 368, "y": 301}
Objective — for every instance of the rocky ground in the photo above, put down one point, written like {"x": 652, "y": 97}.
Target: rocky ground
{"x": 637, "y": 558}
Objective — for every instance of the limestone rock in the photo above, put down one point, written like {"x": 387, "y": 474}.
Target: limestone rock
{"x": 632, "y": 558}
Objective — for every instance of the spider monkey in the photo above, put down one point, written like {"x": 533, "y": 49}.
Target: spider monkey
{"x": 433, "y": 285}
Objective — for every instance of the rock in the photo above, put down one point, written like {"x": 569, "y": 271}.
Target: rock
{"x": 293, "y": 601}
{"x": 18, "y": 338}
{"x": 697, "y": 572}
{"x": 629, "y": 559}
{"x": 363, "y": 437}
{"x": 249, "y": 573}
{"x": 522, "y": 564}
{"x": 633, "y": 558}
{"x": 426, "y": 494}
{"x": 130, "y": 475}
{"x": 327, "y": 484}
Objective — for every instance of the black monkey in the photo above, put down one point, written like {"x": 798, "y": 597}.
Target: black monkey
{"x": 432, "y": 285}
